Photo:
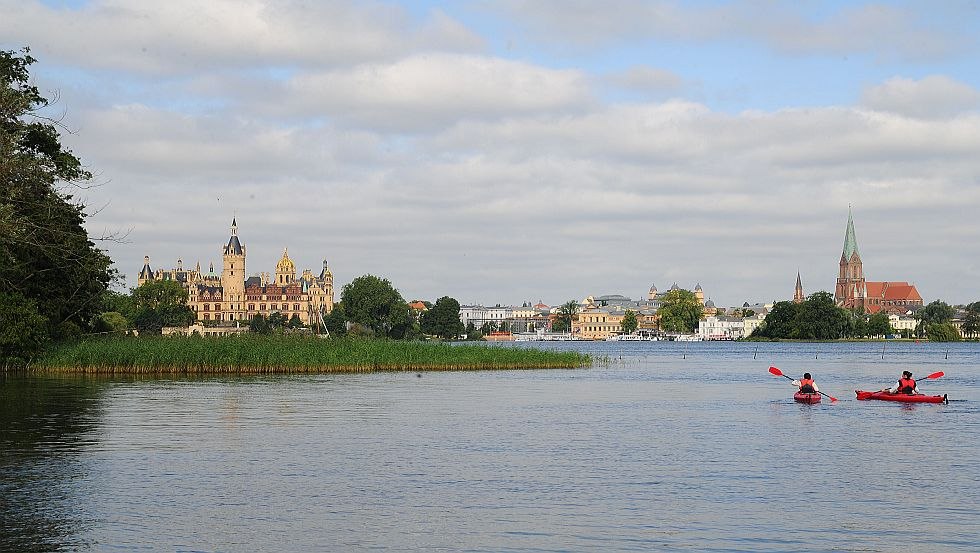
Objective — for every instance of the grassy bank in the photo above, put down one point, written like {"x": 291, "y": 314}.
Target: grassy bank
{"x": 285, "y": 354}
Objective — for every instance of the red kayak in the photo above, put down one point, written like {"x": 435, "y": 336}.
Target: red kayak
{"x": 801, "y": 397}
{"x": 907, "y": 398}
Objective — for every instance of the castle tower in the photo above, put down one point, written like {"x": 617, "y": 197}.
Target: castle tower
{"x": 285, "y": 269}
{"x": 699, "y": 293}
{"x": 851, "y": 288}
{"x": 798, "y": 294}
{"x": 326, "y": 278}
{"x": 145, "y": 273}
{"x": 652, "y": 294}
{"x": 233, "y": 278}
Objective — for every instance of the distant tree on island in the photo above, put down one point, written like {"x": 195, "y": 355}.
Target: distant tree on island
{"x": 566, "y": 314}
{"x": 51, "y": 273}
{"x": 936, "y": 313}
{"x": 376, "y": 305}
{"x": 160, "y": 303}
{"x": 442, "y": 319}
{"x": 817, "y": 318}
{"x": 680, "y": 311}
{"x": 629, "y": 324}
{"x": 971, "y": 320}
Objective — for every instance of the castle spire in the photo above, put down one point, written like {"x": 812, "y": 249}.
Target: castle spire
{"x": 234, "y": 226}
{"x": 798, "y": 294}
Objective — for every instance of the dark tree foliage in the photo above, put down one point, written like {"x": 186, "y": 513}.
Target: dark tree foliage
{"x": 375, "y": 304}
{"x": 336, "y": 322}
{"x": 937, "y": 312}
{"x": 817, "y": 318}
{"x": 23, "y": 331}
{"x": 942, "y": 332}
{"x": 259, "y": 325}
{"x": 680, "y": 311}
{"x": 160, "y": 303}
{"x": 442, "y": 319}
{"x": 971, "y": 320}
{"x": 566, "y": 315}
{"x": 629, "y": 324}
{"x": 46, "y": 255}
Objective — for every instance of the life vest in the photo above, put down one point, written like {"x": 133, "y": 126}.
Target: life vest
{"x": 806, "y": 386}
{"x": 906, "y": 386}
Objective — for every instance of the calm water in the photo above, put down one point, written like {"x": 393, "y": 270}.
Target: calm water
{"x": 664, "y": 446}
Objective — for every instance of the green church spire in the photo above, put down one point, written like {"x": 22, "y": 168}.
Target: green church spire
{"x": 850, "y": 238}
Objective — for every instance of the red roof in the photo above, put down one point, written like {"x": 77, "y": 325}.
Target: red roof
{"x": 892, "y": 291}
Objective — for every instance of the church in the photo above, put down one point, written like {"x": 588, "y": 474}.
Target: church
{"x": 231, "y": 298}
{"x": 854, "y": 292}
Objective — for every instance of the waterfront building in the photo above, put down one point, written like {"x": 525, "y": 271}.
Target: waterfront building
{"x": 233, "y": 298}
{"x": 721, "y": 328}
{"x": 854, "y": 292}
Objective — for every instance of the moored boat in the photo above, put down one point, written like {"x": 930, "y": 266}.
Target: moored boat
{"x": 905, "y": 398}
{"x": 802, "y": 397}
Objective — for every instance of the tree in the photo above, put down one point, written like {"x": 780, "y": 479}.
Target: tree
{"x": 971, "y": 320}
{"x": 821, "y": 319}
{"x": 937, "y": 312}
{"x": 335, "y": 321}
{"x": 942, "y": 332}
{"x": 566, "y": 315}
{"x": 442, "y": 319}
{"x": 46, "y": 256}
{"x": 629, "y": 323}
{"x": 160, "y": 303}
{"x": 295, "y": 322}
{"x": 879, "y": 325}
{"x": 23, "y": 333}
{"x": 780, "y": 322}
{"x": 375, "y": 304}
{"x": 680, "y": 311}
{"x": 259, "y": 325}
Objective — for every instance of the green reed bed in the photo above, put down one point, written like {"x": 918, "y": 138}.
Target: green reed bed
{"x": 289, "y": 354}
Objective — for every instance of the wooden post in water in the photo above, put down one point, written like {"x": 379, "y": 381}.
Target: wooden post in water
{"x": 756, "y": 352}
{"x": 882, "y": 350}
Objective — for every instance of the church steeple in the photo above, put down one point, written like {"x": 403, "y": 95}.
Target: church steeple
{"x": 798, "y": 294}
{"x": 850, "y": 238}
{"x": 851, "y": 288}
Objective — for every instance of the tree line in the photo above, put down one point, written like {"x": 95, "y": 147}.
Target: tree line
{"x": 820, "y": 318}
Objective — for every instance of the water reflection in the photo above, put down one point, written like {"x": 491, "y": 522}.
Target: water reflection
{"x": 43, "y": 424}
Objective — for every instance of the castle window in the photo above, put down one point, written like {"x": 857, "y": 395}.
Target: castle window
{"x": 295, "y": 307}
{"x": 251, "y": 307}
{"x": 262, "y": 307}
{"x": 275, "y": 307}
{"x": 217, "y": 307}
{"x": 207, "y": 316}
{"x": 207, "y": 307}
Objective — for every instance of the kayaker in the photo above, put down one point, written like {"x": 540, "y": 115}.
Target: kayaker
{"x": 905, "y": 385}
{"x": 806, "y": 384}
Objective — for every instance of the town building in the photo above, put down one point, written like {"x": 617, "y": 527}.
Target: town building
{"x": 854, "y": 292}
{"x": 232, "y": 298}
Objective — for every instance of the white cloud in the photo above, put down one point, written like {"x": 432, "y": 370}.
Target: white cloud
{"x": 186, "y": 37}
{"x": 933, "y": 96}
{"x": 649, "y": 80}
{"x": 435, "y": 90}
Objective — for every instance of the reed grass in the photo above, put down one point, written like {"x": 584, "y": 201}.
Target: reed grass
{"x": 287, "y": 354}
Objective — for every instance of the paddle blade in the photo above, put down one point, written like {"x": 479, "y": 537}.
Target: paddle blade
{"x": 775, "y": 371}
{"x": 832, "y": 398}
{"x": 935, "y": 375}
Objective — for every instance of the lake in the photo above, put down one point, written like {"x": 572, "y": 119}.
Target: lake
{"x": 658, "y": 447}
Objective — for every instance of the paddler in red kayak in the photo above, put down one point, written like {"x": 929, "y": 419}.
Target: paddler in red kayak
{"x": 905, "y": 385}
{"x": 807, "y": 385}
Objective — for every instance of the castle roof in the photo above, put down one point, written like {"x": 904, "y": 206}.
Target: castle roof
{"x": 146, "y": 272}
{"x": 234, "y": 246}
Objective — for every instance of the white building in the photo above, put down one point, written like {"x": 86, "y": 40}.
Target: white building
{"x": 721, "y": 328}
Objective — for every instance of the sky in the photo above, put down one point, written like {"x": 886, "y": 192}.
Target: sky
{"x": 512, "y": 151}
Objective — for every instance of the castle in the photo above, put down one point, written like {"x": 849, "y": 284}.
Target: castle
{"x": 854, "y": 292}
{"x": 231, "y": 297}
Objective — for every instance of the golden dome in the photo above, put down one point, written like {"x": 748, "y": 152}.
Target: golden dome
{"x": 285, "y": 264}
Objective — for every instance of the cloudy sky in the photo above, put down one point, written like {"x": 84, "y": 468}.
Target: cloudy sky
{"x": 501, "y": 152}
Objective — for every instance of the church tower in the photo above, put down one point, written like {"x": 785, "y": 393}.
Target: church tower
{"x": 851, "y": 289}
{"x": 233, "y": 278}
{"x": 798, "y": 294}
